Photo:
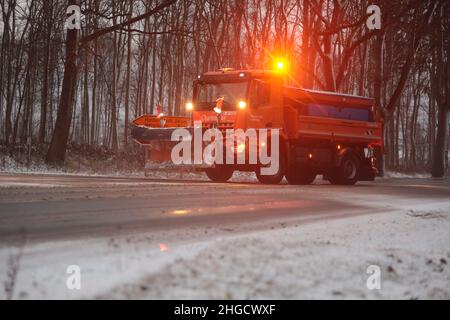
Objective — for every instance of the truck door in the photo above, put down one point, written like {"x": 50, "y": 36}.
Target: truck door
{"x": 259, "y": 98}
{"x": 265, "y": 105}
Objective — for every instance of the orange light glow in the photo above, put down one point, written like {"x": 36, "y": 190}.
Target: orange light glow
{"x": 240, "y": 148}
{"x": 339, "y": 147}
{"x": 180, "y": 212}
{"x": 280, "y": 65}
{"x": 163, "y": 247}
{"x": 189, "y": 106}
{"x": 242, "y": 104}
{"x": 310, "y": 155}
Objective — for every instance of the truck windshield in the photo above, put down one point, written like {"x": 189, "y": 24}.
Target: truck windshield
{"x": 232, "y": 92}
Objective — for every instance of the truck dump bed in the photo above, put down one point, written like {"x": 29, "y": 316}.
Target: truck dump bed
{"x": 330, "y": 116}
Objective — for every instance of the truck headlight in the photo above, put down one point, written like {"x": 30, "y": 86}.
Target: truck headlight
{"x": 240, "y": 148}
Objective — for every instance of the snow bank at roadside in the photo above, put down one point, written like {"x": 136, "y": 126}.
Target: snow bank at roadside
{"x": 104, "y": 263}
{"x": 319, "y": 261}
{"x": 10, "y": 165}
{"x": 394, "y": 174}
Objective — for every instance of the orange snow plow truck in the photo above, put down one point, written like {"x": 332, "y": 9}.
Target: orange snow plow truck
{"x": 320, "y": 133}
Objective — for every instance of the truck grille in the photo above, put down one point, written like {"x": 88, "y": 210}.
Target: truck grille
{"x": 222, "y": 126}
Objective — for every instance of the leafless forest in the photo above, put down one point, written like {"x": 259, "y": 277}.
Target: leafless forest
{"x": 61, "y": 87}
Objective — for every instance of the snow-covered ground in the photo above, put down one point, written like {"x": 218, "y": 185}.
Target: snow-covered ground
{"x": 9, "y": 165}
{"x": 323, "y": 260}
{"x": 320, "y": 260}
{"x": 402, "y": 175}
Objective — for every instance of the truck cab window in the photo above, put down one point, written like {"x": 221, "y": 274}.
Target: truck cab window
{"x": 232, "y": 92}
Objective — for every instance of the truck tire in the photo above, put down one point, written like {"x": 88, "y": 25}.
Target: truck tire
{"x": 299, "y": 176}
{"x": 219, "y": 174}
{"x": 272, "y": 179}
{"x": 348, "y": 171}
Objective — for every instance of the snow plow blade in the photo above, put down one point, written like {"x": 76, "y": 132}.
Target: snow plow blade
{"x": 145, "y": 135}
{"x": 148, "y": 128}
{"x": 154, "y": 133}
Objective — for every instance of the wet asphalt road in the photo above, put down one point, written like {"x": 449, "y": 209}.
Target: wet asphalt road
{"x": 64, "y": 207}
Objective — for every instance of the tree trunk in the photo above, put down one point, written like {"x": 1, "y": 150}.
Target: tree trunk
{"x": 438, "y": 169}
{"x": 44, "y": 96}
{"x": 57, "y": 151}
{"x": 127, "y": 84}
{"x": 442, "y": 91}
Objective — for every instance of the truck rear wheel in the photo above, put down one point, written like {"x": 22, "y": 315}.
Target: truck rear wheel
{"x": 219, "y": 174}
{"x": 348, "y": 171}
{"x": 298, "y": 176}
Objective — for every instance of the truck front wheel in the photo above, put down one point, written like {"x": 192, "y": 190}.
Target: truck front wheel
{"x": 348, "y": 171}
{"x": 274, "y": 178}
{"x": 219, "y": 174}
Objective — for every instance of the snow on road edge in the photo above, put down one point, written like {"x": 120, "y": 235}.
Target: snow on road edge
{"x": 319, "y": 261}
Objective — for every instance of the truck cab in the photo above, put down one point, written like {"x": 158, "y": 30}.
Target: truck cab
{"x": 250, "y": 97}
